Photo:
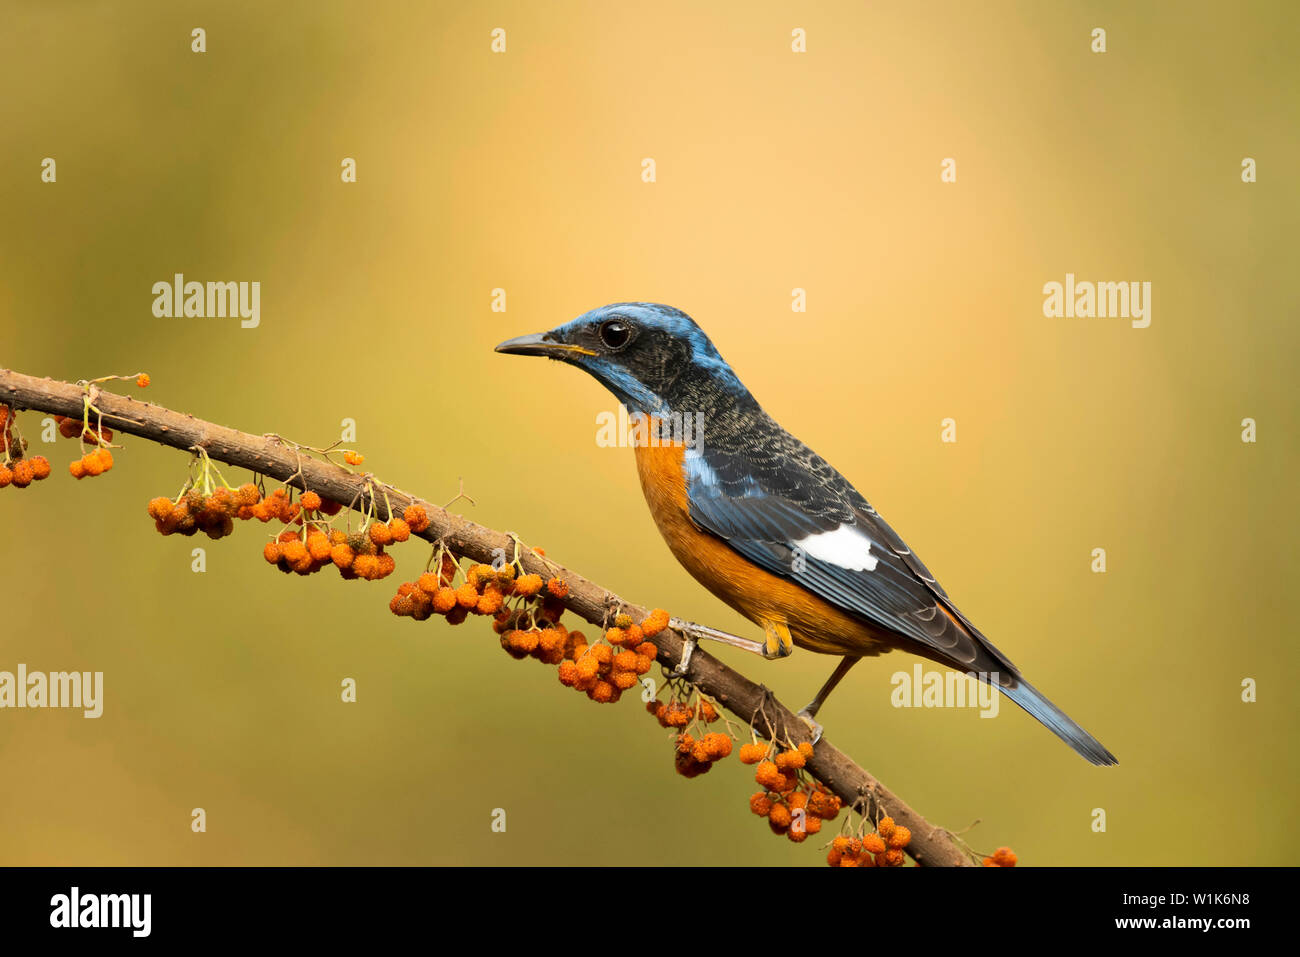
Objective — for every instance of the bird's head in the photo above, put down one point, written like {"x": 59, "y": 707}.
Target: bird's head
{"x": 645, "y": 353}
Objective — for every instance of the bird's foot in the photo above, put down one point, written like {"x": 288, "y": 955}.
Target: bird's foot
{"x": 809, "y": 718}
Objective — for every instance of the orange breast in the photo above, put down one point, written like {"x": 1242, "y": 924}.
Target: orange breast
{"x": 757, "y": 594}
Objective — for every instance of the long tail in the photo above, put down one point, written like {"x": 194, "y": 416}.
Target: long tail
{"x": 1029, "y": 698}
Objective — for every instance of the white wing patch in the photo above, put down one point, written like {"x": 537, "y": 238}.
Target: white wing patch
{"x": 845, "y": 546}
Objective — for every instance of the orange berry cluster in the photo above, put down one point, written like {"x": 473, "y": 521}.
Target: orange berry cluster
{"x": 99, "y": 459}
{"x": 483, "y": 592}
{"x": 1002, "y": 857}
{"x": 678, "y": 714}
{"x": 95, "y": 462}
{"x": 793, "y": 805}
{"x": 884, "y": 848}
{"x": 609, "y": 666}
{"x": 696, "y": 755}
{"x": 304, "y": 549}
{"x": 194, "y": 512}
{"x": 71, "y": 428}
{"x": 316, "y": 545}
{"x": 24, "y": 472}
{"x": 16, "y": 470}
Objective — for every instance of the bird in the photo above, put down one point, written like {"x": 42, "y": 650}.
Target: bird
{"x": 764, "y": 522}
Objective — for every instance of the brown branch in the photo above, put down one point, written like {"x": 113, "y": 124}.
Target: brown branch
{"x": 930, "y": 845}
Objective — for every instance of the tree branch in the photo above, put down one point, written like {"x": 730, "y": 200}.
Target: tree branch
{"x": 270, "y": 456}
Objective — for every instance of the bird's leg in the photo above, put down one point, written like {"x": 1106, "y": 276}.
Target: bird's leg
{"x": 809, "y": 711}
{"x": 694, "y": 633}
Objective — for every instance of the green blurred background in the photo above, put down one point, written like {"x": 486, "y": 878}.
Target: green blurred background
{"x": 775, "y": 170}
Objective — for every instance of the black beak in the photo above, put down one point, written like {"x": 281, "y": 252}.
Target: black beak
{"x": 538, "y": 345}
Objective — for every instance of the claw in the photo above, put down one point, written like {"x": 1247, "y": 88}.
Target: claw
{"x": 813, "y": 726}
{"x": 688, "y": 648}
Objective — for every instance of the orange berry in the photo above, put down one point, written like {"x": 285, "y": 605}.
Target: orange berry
{"x": 467, "y": 596}
{"x": 40, "y": 467}
{"x": 655, "y": 622}
{"x": 873, "y": 844}
{"x": 142, "y": 380}
{"x": 624, "y": 680}
{"x": 557, "y": 587}
{"x": 769, "y": 776}
{"x": 900, "y": 837}
{"x": 603, "y": 692}
{"x": 760, "y": 804}
{"x": 789, "y": 760}
{"x": 310, "y": 501}
{"x": 319, "y": 547}
{"x": 780, "y": 815}
{"x": 416, "y": 517}
{"x": 160, "y": 508}
{"x": 379, "y": 533}
{"x": 1004, "y": 857}
{"x": 490, "y": 602}
{"x": 429, "y": 583}
{"x": 23, "y": 474}
{"x": 752, "y": 753}
{"x": 342, "y": 555}
{"x": 524, "y": 641}
{"x": 568, "y": 673}
{"x": 806, "y": 749}
{"x": 444, "y": 599}
{"x": 719, "y": 745}
{"x": 398, "y": 529}
{"x": 528, "y": 585}
{"x": 294, "y": 550}
{"x": 353, "y": 458}
{"x": 649, "y": 649}
{"x": 886, "y": 827}
{"x": 6, "y": 475}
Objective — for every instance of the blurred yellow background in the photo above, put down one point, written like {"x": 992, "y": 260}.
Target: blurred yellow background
{"x": 775, "y": 170}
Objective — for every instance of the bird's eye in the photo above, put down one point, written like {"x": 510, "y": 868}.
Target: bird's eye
{"x": 615, "y": 333}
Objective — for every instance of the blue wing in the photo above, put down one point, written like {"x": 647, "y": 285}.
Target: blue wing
{"x": 783, "y": 507}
